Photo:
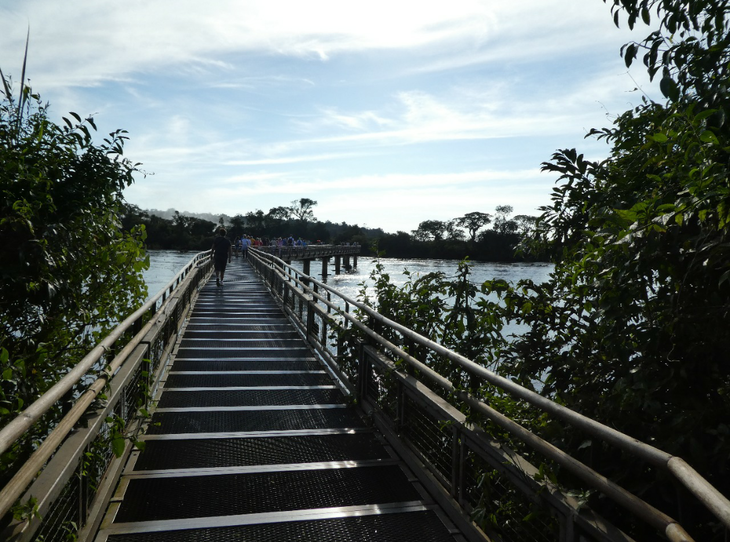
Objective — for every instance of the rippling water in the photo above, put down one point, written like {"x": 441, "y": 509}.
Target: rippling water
{"x": 165, "y": 264}
{"x": 349, "y": 283}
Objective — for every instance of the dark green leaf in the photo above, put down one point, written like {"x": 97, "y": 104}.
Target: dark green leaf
{"x": 709, "y": 137}
{"x": 645, "y": 15}
{"x": 118, "y": 445}
{"x": 630, "y": 54}
{"x": 669, "y": 88}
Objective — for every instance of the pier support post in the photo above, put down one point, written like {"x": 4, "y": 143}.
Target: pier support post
{"x": 305, "y": 269}
{"x": 325, "y": 261}
{"x": 354, "y": 262}
{"x": 338, "y": 261}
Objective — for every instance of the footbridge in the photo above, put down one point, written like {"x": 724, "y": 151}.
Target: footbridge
{"x": 344, "y": 256}
{"x": 274, "y": 408}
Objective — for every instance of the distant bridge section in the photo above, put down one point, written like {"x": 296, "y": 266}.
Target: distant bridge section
{"x": 340, "y": 253}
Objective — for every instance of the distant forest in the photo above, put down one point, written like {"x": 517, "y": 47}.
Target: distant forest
{"x": 480, "y": 236}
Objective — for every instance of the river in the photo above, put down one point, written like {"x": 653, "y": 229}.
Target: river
{"x": 165, "y": 264}
{"x": 350, "y": 283}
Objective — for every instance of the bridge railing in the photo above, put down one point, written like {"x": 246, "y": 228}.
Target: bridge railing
{"x": 60, "y": 492}
{"x": 471, "y": 454}
{"x": 310, "y": 252}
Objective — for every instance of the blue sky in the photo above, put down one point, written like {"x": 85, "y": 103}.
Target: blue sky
{"x": 386, "y": 113}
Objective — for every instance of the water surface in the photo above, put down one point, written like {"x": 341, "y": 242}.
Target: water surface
{"x": 165, "y": 264}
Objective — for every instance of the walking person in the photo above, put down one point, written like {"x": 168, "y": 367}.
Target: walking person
{"x": 221, "y": 252}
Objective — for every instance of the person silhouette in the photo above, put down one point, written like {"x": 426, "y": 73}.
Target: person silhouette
{"x": 221, "y": 252}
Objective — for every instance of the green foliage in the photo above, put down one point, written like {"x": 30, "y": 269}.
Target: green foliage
{"x": 69, "y": 272}
{"x": 631, "y": 330}
{"x": 430, "y": 230}
{"x": 449, "y": 310}
{"x": 473, "y": 222}
{"x": 433, "y": 239}
{"x": 117, "y": 436}
{"x": 182, "y": 232}
{"x": 26, "y": 511}
{"x": 632, "y": 327}
{"x": 303, "y": 209}
{"x": 447, "y": 240}
{"x": 502, "y": 223}
{"x": 643, "y": 245}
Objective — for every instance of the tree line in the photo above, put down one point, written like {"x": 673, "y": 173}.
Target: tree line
{"x": 477, "y": 235}
{"x": 192, "y": 232}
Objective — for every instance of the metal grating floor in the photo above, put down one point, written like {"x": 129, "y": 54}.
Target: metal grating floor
{"x": 245, "y": 365}
{"x": 252, "y": 441}
{"x": 151, "y": 498}
{"x": 223, "y": 421}
{"x": 231, "y": 398}
{"x": 238, "y": 452}
{"x": 257, "y": 380}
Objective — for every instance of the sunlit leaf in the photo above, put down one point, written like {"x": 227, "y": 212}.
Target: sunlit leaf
{"x": 709, "y": 137}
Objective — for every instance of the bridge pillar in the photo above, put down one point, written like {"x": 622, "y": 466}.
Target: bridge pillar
{"x": 305, "y": 269}
{"x": 346, "y": 263}
{"x": 338, "y": 261}
{"x": 325, "y": 261}
{"x": 354, "y": 262}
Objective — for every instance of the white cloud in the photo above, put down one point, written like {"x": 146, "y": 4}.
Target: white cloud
{"x": 88, "y": 41}
{"x": 393, "y": 111}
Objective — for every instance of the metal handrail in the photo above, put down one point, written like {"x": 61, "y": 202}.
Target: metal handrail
{"x": 11, "y": 432}
{"x": 697, "y": 485}
{"x": 310, "y": 251}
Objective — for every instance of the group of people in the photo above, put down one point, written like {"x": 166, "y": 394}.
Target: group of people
{"x": 222, "y": 249}
{"x": 242, "y": 244}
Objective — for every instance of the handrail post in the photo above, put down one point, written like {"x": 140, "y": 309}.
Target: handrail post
{"x": 310, "y": 317}
{"x": 400, "y": 407}
{"x": 363, "y": 372}
{"x": 455, "y": 461}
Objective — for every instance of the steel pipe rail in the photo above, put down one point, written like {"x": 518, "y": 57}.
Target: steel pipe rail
{"x": 30, "y": 469}
{"x": 715, "y": 502}
{"x": 654, "y": 517}
{"x": 32, "y": 414}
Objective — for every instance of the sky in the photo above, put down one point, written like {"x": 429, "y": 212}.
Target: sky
{"x": 386, "y": 113}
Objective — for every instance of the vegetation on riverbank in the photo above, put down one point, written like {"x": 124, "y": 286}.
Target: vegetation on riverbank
{"x": 69, "y": 273}
{"x": 631, "y": 329}
{"x": 478, "y": 236}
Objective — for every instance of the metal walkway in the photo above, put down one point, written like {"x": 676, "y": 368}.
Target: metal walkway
{"x": 253, "y": 441}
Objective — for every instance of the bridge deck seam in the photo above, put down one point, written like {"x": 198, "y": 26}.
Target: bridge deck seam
{"x": 261, "y": 518}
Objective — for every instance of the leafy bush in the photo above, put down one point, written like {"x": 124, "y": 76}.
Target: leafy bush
{"x": 632, "y": 328}
{"x": 69, "y": 273}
